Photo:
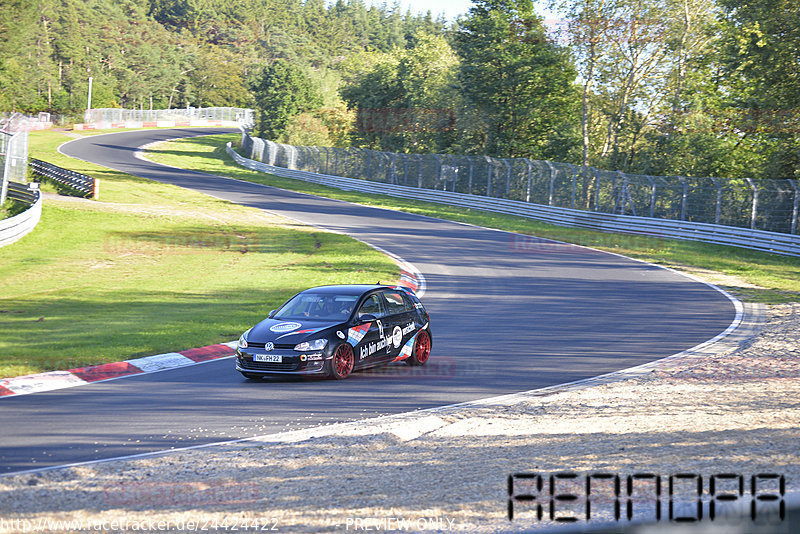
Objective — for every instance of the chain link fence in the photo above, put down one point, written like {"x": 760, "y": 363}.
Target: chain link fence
{"x": 115, "y": 115}
{"x": 13, "y": 150}
{"x": 763, "y": 204}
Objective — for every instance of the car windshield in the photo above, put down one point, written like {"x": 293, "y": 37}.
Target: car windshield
{"x": 317, "y": 306}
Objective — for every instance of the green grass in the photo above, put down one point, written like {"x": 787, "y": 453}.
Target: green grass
{"x": 152, "y": 268}
{"x": 12, "y": 207}
{"x": 753, "y": 276}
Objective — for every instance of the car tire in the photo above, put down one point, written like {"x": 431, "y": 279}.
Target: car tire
{"x": 251, "y": 376}
{"x": 422, "y": 349}
{"x": 341, "y": 365}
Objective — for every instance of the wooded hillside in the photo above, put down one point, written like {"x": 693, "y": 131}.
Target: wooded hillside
{"x": 690, "y": 87}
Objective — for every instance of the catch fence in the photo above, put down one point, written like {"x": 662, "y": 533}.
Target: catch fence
{"x": 13, "y": 151}
{"x": 115, "y": 115}
{"x": 763, "y": 204}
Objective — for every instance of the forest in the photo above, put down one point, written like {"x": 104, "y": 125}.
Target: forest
{"x": 665, "y": 87}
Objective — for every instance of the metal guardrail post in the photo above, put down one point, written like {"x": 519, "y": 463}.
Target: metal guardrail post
{"x": 754, "y": 210}
{"x": 455, "y": 171}
{"x": 390, "y": 170}
{"x": 574, "y": 184}
{"x": 4, "y": 186}
{"x": 471, "y": 168}
{"x": 488, "y": 176}
{"x": 335, "y": 160}
{"x": 552, "y": 183}
{"x": 615, "y": 192}
{"x": 684, "y": 196}
{"x": 795, "y": 206}
{"x": 529, "y": 163}
{"x": 13, "y": 152}
{"x": 438, "y": 169}
{"x": 652, "y": 195}
{"x": 718, "y": 209}
{"x": 508, "y": 178}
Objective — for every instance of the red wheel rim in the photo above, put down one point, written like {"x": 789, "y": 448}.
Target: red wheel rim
{"x": 343, "y": 360}
{"x": 422, "y": 348}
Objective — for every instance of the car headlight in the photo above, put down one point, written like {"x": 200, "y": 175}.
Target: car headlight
{"x": 243, "y": 340}
{"x": 317, "y": 344}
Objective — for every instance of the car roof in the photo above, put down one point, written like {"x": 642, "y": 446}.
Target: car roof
{"x": 346, "y": 289}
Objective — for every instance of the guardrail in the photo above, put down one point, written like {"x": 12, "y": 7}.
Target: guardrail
{"x": 760, "y": 240}
{"x": 16, "y": 227}
{"x": 75, "y": 182}
{"x": 27, "y": 193}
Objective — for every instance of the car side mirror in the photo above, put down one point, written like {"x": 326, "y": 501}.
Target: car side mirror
{"x": 271, "y": 313}
{"x": 366, "y": 318}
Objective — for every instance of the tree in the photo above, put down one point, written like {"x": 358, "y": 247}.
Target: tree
{"x": 427, "y": 76}
{"x": 217, "y": 79}
{"x": 648, "y": 78}
{"x": 281, "y": 92}
{"x": 406, "y": 99}
{"x": 517, "y": 79}
{"x": 761, "y": 71}
{"x": 25, "y": 68}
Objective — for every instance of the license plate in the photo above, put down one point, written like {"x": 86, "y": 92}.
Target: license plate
{"x": 269, "y": 358}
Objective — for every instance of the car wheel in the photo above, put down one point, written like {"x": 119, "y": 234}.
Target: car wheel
{"x": 341, "y": 365}
{"x": 422, "y": 349}
{"x": 251, "y": 376}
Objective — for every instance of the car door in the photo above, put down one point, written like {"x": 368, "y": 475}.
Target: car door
{"x": 367, "y": 338}
{"x": 399, "y": 321}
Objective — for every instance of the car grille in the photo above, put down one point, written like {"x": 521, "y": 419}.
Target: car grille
{"x": 267, "y": 366}
{"x": 254, "y": 345}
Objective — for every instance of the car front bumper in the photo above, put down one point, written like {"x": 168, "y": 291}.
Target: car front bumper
{"x": 291, "y": 364}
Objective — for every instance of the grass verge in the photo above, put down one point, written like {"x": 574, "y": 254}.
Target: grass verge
{"x": 12, "y": 207}
{"x": 752, "y": 276}
{"x": 153, "y": 268}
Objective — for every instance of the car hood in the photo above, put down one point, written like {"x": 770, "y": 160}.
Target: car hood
{"x": 288, "y": 331}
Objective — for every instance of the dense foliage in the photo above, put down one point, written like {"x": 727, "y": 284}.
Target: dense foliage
{"x": 175, "y": 53}
{"x": 692, "y": 87}
{"x": 518, "y": 79}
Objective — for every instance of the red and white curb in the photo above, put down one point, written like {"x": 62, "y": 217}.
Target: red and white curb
{"x": 23, "y": 385}
{"x": 410, "y": 276}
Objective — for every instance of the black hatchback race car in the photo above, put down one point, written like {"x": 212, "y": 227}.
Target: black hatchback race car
{"x": 334, "y": 330}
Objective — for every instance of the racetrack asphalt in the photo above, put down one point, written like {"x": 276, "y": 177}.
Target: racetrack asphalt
{"x": 503, "y": 320}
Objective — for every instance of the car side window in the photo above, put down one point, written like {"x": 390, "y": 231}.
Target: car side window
{"x": 394, "y": 302}
{"x": 408, "y": 303}
{"x": 371, "y": 306}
